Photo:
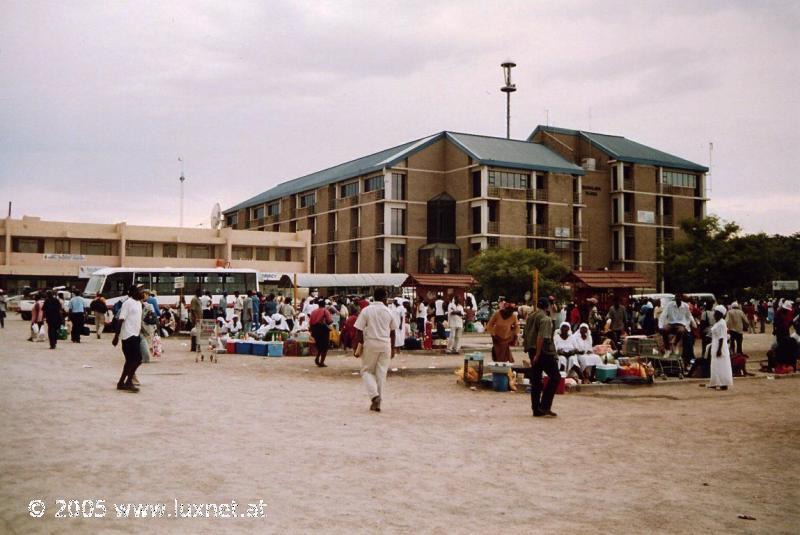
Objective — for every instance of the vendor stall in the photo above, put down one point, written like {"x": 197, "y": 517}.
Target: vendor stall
{"x": 604, "y": 286}
{"x": 429, "y": 285}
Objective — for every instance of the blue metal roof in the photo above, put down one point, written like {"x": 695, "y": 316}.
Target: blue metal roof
{"x": 485, "y": 150}
{"x": 502, "y": 152}
{"x": 626, "y": 150}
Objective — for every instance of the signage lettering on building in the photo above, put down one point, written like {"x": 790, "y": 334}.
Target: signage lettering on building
{"x": 645, "y": 216}
{"x": 60, "y": 256}
{"x": 785, "y": 285}
{"x": 592, "y": 191}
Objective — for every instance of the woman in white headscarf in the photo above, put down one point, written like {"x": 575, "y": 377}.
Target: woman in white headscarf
{"x": 584, "y": 352}
{"x": 721, "y": 371}
{"x": 562, "y": 340}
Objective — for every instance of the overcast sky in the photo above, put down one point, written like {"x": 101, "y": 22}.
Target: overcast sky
{"x": 98, "y": 100}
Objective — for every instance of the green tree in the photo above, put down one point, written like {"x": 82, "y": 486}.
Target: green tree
{"x": 714, "y": 257}
{"x": 508, "y": 272}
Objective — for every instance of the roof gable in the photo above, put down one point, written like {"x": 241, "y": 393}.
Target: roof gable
{"x": 626, "y": 150}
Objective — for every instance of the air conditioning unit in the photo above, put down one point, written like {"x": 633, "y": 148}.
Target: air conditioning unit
{"x": 589, "y": 164}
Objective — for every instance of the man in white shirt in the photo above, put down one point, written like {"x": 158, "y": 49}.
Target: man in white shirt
{"x": 455, "y": 320}
{"x": 439, "y": 312}
{"x": 375, "y": 331}
{"x": 130, "y": 327}
{"x": 675, "y": 319}
{"x": 422, "y": 315}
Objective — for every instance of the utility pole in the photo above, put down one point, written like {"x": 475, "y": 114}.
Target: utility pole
{"x": 182, "y": 179}
{"x": 508, "y": 89}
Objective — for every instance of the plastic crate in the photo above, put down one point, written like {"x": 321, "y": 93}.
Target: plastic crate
{"x": 275, "y": 349}
{"x": 638, "y": 346}
{"x": 260, "y": 348}
{"x": 244, "y": 348}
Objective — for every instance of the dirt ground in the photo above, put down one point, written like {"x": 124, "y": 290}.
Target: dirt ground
{"x": 440, "y": 458}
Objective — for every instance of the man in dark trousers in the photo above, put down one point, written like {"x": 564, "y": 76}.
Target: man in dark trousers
{"x": 542, "y": 352}
{"x": 54, "y": 316}
{"x": 130, "y": 327}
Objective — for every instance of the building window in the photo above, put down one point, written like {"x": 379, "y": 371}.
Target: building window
{"x": 493, "y": 241}
{"x": 308, "y": 199}
{"x": 476, "y": 183}
{"x": 442, "y": 219}
{"x": 354, "y": 262}
{"x": 257, "y": 213}
{"x": 398, "y": 186}
{"x": 398, "y": 220}
{"x": 198, "y": 251}
{"x": 239, "y": 253}
{"x": 232, "y": 220}
{"x": 274, "y": 208}
{"x": 398, "y": 260}
{"x": 134, "y": 248}
{"x": 348, "y": 190}
{"x": 283, "y": 255}
{"x": 373, "y": 183}
{"x": 262, "y": 253}
{"x": 27, "y": 245}
{"x": 681, "y": 180}
{"x": 476, "y": 219}
{"x": 170, "y": 250}
{"x": 100, "y": 248}
{"x": 505, "y": 179}
{"x": 312, "y": 225}
{"x": 62, "y": 247}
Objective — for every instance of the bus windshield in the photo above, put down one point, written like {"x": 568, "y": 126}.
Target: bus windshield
{"x": 94, "y": 285}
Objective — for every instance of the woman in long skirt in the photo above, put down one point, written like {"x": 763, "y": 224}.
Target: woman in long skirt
{"x": 721, "y": 371}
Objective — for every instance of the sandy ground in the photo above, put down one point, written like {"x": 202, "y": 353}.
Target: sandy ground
{"x": 440, "y": 458}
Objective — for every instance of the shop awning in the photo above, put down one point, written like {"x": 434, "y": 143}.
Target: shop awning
{"x": 439, "y": 279}
{"x": 343, "y": 280}
{"x": 607, "y": 279}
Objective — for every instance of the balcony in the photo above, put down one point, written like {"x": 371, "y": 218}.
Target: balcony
{"x": 355, "y": 232}
{"x": 538, "y": 195}
{"x": 666, "y": 220}
{"x": 372, "y": 196}
{"x": 331, "y": 248}
{"x": 348, "y": 201}
{"x": 379, "y": 228}
{"x": 577, "y": 198}
{"x": 332, "y": 203}
{"x": 536, "y": 230}
{"x": 315, "y": 238}
{"x": 629, "y": 217}
{"x": 355, "y": 246}
{"x": 492, "y": 227}
{"x": 332, "y": 235}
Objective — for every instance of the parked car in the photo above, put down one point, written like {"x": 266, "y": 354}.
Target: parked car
{"x": 26, "y": 305}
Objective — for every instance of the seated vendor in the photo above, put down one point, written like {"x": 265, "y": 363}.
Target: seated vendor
{"x": 235, "y": 325}
{"x": 566, "y": 358}
{"x": 279, "y": 322}
{"x": 302, "y": 323}
{"x": 264, "y": 327}
{"x": 675, "y": 320}
{"x": 584, "y": 351}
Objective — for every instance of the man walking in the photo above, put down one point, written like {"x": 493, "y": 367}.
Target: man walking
{"x": 99, "y": 307}
{"x": 737, "y": 324}
{"x": 375, "y": 331}
{"x": 619, "y": 318}
{"x": 130, "y": 327}
{"x": 77, "y": 315}
{"x": 3, "y": 308}
{"x": 54, "y": 315}
{"x": 542, "y": 352}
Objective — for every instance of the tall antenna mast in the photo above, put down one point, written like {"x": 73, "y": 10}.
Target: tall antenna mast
{"x": 508, "y": 89}
{"x": 182, "y": 179}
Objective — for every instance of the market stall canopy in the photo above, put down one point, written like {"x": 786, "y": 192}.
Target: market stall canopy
{"x": 343, "y": 280}
{"x": 606, "y": 279}
{"x": 439, "y": 280}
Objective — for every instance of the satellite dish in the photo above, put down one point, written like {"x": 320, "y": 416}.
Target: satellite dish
{"x": 216, "y": 217}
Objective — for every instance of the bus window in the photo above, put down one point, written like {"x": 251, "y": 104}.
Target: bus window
{"x": 164, "y": 283}
{"x": 117, "y": 284}
{"x": 250, "y": 282}
{"x": 143, "y": 280}
{"x": 194, "y": 281}
{"x": 214, "y": 283}
{"x": 94, "y": 285}
{"x": 234, "y": 282}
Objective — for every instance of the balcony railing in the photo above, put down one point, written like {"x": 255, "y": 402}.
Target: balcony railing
{"x": 332, "y": 235}
{"x": 537, "y": 195}
{"x": 666, "y": 219}
{"x": 630, "y": 217}
{"x": 355, "y": 232}
{"x": 379, "y": 228}
{"x": 492, "y": 227}
{"x": 355, "y": 246}
{"x": 331, "y": 248}
{"x": 372, "y": 196}
{"x": 536, "y": 230}
{"x": 577, "y": 197}
{"x": 332, "y": 203}
{"x": 348, "y": 201}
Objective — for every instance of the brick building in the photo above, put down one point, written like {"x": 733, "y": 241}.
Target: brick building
{"x": 428, "y": 205}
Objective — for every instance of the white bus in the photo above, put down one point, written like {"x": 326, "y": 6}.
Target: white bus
{"x": 114, "y": 283}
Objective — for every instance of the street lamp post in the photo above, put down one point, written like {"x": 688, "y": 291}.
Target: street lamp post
{"x": 508, "y": 89}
